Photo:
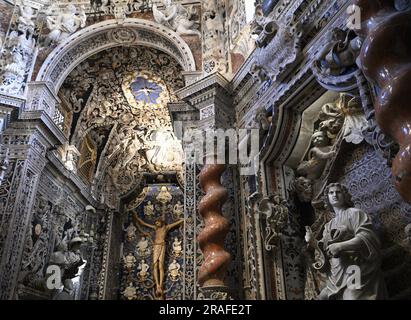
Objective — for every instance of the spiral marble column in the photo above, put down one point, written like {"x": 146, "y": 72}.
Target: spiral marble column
{"x": 209, "y": 102}
{"x": 386, "y": 61}
{"x": 216, "y": 226}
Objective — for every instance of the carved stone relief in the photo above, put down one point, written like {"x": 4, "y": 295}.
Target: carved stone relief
{"x": 177, "y": 17}
{"x": 18, "y": 50}
{"x": 215, "y": 40}
{"x": 123, "y": 111}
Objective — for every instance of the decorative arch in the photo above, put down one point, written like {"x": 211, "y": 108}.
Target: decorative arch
{"x": 108, "y": 34}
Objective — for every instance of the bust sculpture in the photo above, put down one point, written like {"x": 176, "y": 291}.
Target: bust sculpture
{"x": 351, "y": 251}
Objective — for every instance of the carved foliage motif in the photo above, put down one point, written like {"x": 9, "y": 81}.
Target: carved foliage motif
{"x": 18, "y": 50}
{"x": 137, "y": 267}
{"x": 278, "y": 44}
{"x": 215, "y": 40}
{"x": 121, "y": 91}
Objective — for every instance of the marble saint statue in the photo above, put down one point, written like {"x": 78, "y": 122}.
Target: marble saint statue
{"x": 351, "y": 249}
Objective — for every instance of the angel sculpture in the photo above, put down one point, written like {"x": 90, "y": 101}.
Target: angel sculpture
{"x": 64, "y": 23}
{"x": 27, "y": 15}
{"x": 177, "y": 18}
{"x": 349, "y": 252}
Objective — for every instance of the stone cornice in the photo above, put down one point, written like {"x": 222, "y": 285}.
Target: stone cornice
{"x": 48, "y": 86}
{"x": 213, "y": 80}
{"x": 55, "y": 135}
{"x": 75, "y": 183}
{"x": 11, "y": 101}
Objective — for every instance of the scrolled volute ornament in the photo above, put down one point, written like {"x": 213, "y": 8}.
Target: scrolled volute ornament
{"x": 335, "y": 65}
{"x": 274, "y": 211}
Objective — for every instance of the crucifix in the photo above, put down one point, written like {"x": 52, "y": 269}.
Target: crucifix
{"x": 159, "y": 248}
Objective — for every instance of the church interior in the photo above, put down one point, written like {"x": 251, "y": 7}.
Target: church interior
{"x": 205, "y": 150}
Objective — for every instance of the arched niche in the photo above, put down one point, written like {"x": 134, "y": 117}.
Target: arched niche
{"x": 108, "y": 34}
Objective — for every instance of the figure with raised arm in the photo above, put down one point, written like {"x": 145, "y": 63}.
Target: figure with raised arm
{"x": 159, "y": 249}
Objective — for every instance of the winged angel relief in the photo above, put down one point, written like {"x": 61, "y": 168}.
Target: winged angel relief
{"x": 177, "y": 18}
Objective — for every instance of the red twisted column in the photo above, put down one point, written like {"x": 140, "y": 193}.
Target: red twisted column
{"x": 386, "y": 60}
{"x": 211, "y": 239}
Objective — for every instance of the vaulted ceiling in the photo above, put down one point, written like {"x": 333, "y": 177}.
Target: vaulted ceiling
{"x": 119, "y": 120}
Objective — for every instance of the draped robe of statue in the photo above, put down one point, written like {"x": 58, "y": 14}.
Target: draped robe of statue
{"x": 353, "y": 223}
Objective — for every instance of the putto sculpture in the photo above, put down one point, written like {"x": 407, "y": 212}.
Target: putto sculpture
{"x": 176, "y": 17}
{"x": 64, "y": 22}
{"x": 317, "y": 156}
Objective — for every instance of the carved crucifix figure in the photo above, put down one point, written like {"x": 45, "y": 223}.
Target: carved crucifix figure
{"x": 159, "y": 249}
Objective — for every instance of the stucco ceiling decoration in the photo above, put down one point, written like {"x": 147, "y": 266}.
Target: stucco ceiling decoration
{"x": 119, "y": 99}
{"x": 109, "y": 34}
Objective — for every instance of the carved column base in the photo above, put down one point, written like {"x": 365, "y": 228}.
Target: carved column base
{"x": 214, "y": 293}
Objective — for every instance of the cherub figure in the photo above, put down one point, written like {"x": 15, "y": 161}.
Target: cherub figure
{"x": 64, "y": 23}
{"x": 142, "y": 247}
{"x": 131, "y": 232}
{"x": 149, "y": 210}
{"x": 176, "y": 17}
{"x": 178, "y": 210}
{"x": 318, "y": 156}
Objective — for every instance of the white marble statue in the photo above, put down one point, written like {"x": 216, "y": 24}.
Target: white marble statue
{"x": 174, "y": 270}
{"x": 14, "y": 65}
{"x": 142, "y": 247}
{"x": 131, "y": 232}
{"x": 165, "y": 152}
{"x": 129, "y": 261}
{"x": 178, "y": 210}
{"x": 176, "y": 17}
{"x": 351, "y": 249}
{"x": 64, "y": 22}
{"x": 177, "y": 248}
{"x": 143, "y": 270}
{"x": 27, "y": 15}
{"x": 317, "y": 157}
{"x": 149, "y": 209}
